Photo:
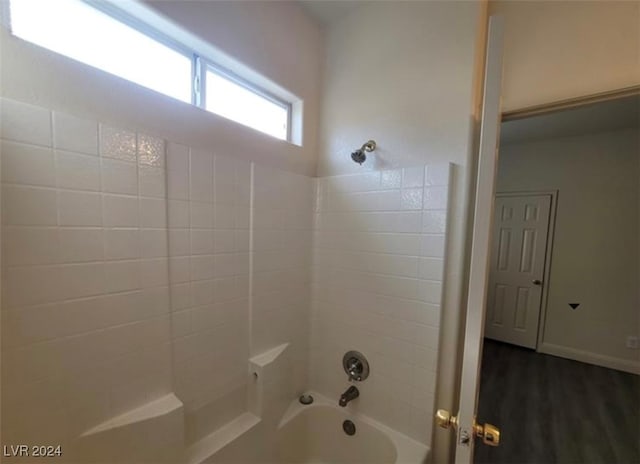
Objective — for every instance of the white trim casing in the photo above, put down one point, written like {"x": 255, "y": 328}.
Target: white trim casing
{"x": 601, "y": 360}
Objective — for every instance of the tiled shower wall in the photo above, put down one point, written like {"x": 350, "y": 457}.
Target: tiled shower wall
{"x": 133, "y": 267}
{"x": 378, "y": 269}
{"x": 85, "y": 300}
{"x": 127, "y": 274}
{"x": 281, "y": 280}
{"x": 209, "y": 200}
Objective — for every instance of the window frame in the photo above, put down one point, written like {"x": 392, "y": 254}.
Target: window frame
{"x": 200, "y": 64}
{"x": 112, "y": 10}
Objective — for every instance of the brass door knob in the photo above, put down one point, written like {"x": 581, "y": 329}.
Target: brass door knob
{"x": 489, "y": 433}
{"x": 445, "y": 420}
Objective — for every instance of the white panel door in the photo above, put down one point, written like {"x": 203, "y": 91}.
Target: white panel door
{"x": 516, "y": 277}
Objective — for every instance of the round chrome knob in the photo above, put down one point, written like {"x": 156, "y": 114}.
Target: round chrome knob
{"x": 356, "y": 366}
{"x": 536, "y": 282}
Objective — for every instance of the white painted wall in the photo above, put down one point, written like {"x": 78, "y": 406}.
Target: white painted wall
{"x": 556, "y": 50}
{"x": 596, "y": 243}
{"x": 399, "y": 73}
{"x": 275, "y": 39}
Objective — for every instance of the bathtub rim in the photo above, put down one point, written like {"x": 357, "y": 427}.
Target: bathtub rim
{"x": 408, "y": 450}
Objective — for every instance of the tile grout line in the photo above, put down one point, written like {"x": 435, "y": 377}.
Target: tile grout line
{"x": 251, "y": 250}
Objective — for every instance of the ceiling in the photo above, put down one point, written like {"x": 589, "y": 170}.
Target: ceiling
{"x": 327, "y": 11}
{"x": 605, "y": 116}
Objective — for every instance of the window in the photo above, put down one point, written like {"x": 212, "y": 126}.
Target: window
{"x": 102, "y": 36}
{"x": 79, "y": 31}
{"x": 231, "y": 99}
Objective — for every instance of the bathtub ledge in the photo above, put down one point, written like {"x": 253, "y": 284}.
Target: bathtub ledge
{"x": 214, "y": 442}
{"x": 148, "y": 411}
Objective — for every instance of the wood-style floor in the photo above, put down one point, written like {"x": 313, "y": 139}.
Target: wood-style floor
{"x": 553, "y": 410}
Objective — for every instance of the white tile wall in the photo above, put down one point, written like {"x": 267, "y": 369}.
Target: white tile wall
{"x": 209, "y": 269}
{"x": 75, "y": 134}
{"x": 128, "y": 274}
{"x": 282, "y": 236}
{"x": 85, "y": 322}
{"x": 377, "y": 285}
{"x": 28, "y": 164}
{"x": 25, "y": 123}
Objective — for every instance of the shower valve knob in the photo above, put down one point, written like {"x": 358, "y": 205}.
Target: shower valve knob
{"x": 355, "y": 366}
{"x": 355, "y": 369}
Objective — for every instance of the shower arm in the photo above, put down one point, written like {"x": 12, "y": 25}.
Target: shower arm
{"x": 369, "y": 146}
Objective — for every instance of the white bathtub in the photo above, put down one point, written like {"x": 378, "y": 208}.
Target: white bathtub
{"x": 314, "y": 434}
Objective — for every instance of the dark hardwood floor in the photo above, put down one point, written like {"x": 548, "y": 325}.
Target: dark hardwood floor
{"x": 553, "y": 410}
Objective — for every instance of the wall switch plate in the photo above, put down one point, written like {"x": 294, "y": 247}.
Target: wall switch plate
{"x": 632, "y": 342}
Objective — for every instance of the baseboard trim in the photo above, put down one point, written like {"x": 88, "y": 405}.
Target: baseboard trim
{"x": 618, "y": 364}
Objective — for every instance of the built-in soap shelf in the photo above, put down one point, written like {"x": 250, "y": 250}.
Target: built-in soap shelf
{"x": 214, "y": 442}
{"x": 263, "y": 370}
{"x": 155, "y": 430}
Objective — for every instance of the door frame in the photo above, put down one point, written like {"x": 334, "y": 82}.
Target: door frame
{"x": 484, "y": 188}
{"x": 470, "y": 346}
{"x": 548, "y": 254}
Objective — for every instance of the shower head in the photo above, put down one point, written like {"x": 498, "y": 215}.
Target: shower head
{"x": 359, "y": 156}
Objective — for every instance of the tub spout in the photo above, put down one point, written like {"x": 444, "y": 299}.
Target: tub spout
{"x": 351, "y": 394}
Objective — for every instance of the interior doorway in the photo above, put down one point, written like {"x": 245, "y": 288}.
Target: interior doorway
{"x": 570, "y": 392}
